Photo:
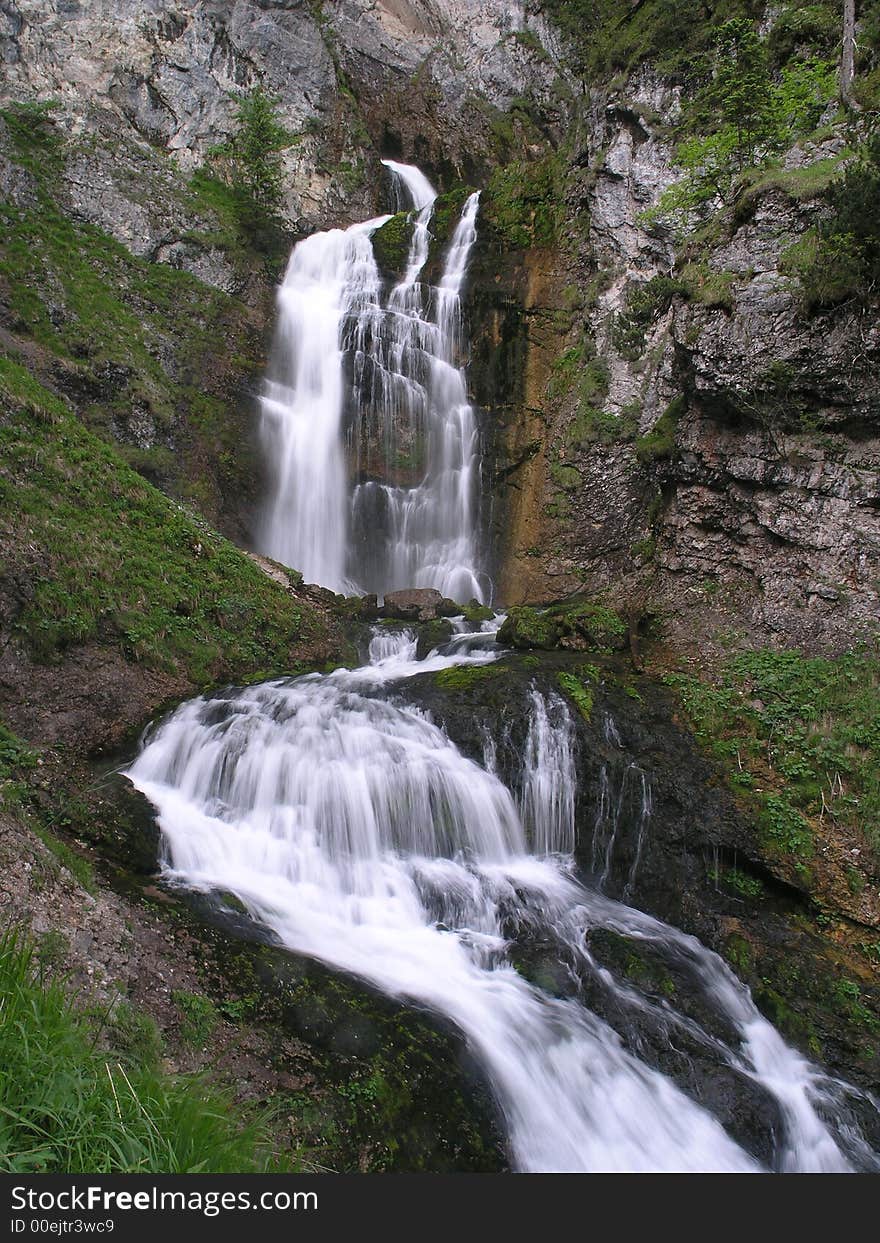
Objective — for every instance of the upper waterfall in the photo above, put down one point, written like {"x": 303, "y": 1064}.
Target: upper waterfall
{"x": 372, "y": 446}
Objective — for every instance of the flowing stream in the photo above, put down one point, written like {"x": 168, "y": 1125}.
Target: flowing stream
{"x": 372, "y": 446}
{"x": 349, "y": 823}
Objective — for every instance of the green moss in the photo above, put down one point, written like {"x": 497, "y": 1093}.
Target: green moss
{"x": 579, "y": 624}
{"x": 476, "y": 613}
{"x": 578, "y": 685}
{"x": 659, "y": 443}
{"x": 463, "y": 677}
{"x": 522, "y": 204}
{"x": 78, "y": 866}
{"x": 566, "y": 477}
{"x": 447, "y": 211}
{"x": 391, "y": 244}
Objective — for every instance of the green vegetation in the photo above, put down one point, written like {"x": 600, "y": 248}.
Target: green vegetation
{"x": 578, "y": 684}
{"x": 149, "y": 353}
{"x": 645, "y": 304}
{"x": 70, "y": 1105}
{"x": 522, "y": 203}
{"x": 108, "y": 557}
{"x": 578, "y": 624}
{"x": 576, "y": 371}
{"x": 659, "y": 443}
{"x": 198, "y": 1017}
{"x": 476, "y": 613}
{"x": 743, "y": 884}
{"x": 391, "y": 244}
{"x": 742, "y": 109}
{"x": 840, "y": 259}
{"x": 253, "y": 156}
{"x": 807, "y": 732}
{"x": 463, "y": 677}
{"x": 447, "y": 211}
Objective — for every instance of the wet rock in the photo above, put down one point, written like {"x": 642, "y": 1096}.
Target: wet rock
{"x": 413, "y": 604}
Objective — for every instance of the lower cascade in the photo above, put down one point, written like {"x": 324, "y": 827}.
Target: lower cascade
{"x": 349, "y": 824}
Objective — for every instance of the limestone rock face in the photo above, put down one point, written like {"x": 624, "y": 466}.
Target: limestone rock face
{"x": 722, "y": 470}
{"x": 418, "y": 75}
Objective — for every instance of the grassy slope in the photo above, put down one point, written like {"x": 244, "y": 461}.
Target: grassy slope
{"x": 69, "y": 1103}
{"x": 92, "y": 551}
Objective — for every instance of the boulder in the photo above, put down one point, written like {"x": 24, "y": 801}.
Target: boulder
{"x": 413, "y": 604}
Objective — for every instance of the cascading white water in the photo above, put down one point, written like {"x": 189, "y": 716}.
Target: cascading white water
{"x": 330, "y": 277}
{"x": 423, "y": 535}
{"x": 345, "y": 368}
{"x": 351, "y": 825}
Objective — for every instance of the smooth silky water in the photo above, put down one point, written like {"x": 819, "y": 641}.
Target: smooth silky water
{"x": 353, "y": 367}
{"x": 351, "y": 825}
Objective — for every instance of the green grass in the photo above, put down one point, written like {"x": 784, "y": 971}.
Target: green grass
{"x": 578, "y": 686}
{"x": 805, "y": 731}
{"x": 68, "y": 1105}
{"x": 109, "y": 558}
{"x": 198, "y": 1017}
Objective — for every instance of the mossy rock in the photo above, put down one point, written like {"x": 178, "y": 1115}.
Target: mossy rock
{"x": 391, "y": 245}
{"x": 447, "y": 212}
{"x": 477, "y": 613}
{"x": 577, "y": 625}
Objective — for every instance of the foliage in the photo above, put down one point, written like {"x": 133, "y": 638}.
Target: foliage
{"x": 522, "y": 203}
{"x": 659, "y": 442}
{"x": 575, "y": 372}
{"x": 841, "y": 258}
{"x": 69, "y": 1106}
{"x": 807, "y": 729}
{"x": 254, "y": 151}
{"x": 142, "y": 345}
{"x": 198, "y": 1017}
{"x": 645, "y": 303}
{"x": 743, "y": 884}
{"x": 739, "y": 117}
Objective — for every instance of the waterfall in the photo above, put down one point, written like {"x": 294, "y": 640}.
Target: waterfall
{"x": 330, "y": 278}
{"x": 351, "y": 825}
{"x": 372, "y": 447}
